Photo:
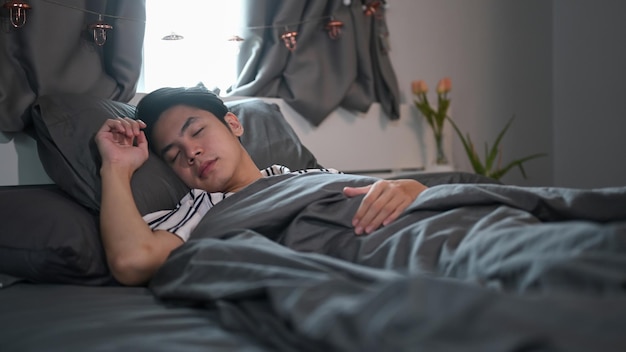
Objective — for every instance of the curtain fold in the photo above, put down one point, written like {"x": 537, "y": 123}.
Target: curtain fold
{"x": 55, "y": 53}
{"x": 322, "y": 73}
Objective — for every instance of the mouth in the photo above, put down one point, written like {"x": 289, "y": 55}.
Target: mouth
{"x": 205, "y": 168}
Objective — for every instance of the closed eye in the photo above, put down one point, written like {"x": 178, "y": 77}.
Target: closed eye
{"x": 173, "y": 159}
{"x": 197, "y": 133}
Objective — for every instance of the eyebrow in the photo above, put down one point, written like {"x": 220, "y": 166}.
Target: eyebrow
{"x": 190, "y": 120}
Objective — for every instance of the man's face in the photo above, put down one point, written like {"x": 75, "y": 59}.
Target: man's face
{"x": 201, "y": 150}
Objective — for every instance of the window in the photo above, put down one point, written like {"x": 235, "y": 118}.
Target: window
{"x": 204, "y": 54}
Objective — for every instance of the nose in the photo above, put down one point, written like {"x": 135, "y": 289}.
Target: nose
{"x": 193, "y": 154}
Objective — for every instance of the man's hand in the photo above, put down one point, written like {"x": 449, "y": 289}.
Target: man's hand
{"x": 384, "y": 201}
{"x": 134, "y": 252}
{"x": 122, "y": 143}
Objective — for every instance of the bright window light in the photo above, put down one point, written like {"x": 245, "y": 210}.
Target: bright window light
{"x": 203, "y": 55}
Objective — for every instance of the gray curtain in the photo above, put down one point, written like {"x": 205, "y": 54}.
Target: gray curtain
{"x": 321, "y": 74}
{"x": 55, "y": 53}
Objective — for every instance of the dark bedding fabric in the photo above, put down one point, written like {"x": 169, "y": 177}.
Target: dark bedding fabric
{"x": 69, "y": 318}
{"x": 442, "y": 178}
{"x": 47, "y": 237}
{"x": 467, "y": 267}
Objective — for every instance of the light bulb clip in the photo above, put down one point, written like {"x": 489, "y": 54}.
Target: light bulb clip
{"x": 17, "y": 12}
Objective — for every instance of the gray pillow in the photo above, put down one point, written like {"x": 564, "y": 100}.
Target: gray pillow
{"x": 65, "y": 125}
{"x": 268, "y": 137}
{"x": 47, "y": 237}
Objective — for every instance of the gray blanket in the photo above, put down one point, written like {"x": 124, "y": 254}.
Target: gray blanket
{"x": 466, "y": 267}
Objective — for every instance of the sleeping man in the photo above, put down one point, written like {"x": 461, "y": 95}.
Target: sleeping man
{"x": 195, "y": 134}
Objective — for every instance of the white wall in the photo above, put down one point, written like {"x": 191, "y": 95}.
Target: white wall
{"x": 590, "y": 91}
{"x": 498, "y": 55}
{"x": 559, "y": 66}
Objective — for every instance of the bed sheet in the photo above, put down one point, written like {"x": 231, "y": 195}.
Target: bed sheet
{"x": 277, "y": 267}
{"x": 466, "y": 267}
{"x": 67, "y": 318}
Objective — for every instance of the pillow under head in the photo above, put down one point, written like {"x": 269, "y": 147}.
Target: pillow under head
{"x": 65, "y": 125}
{"x": 51, "y": 233}
{"x": 268, "y": 137}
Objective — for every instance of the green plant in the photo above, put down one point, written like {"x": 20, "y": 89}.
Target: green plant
{"x": 489, "y": 167}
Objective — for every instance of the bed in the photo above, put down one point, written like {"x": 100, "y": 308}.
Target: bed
{"x": 472, "y": 265}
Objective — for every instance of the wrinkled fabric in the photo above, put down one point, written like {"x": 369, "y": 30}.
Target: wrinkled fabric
{"x": 465, "y": 267}
{"x": 321, "y": 74}
{"x": 55, "y": 53}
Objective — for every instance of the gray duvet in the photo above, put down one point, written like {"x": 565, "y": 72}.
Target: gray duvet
{"x": 466, "y": 267}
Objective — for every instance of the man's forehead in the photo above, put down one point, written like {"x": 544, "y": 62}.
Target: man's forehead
{"x": 183, "y": 112}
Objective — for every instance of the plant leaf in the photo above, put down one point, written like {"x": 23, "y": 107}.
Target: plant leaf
{"x": 469, "y": 149}
{"x": 477, "y": 165}
{"x": 427, "y": 112}
{"x": 494, "y": 149}
{"x": 443, "y": 103}
{"x": 487, "y": 164}
{"x": 501, "y": 172}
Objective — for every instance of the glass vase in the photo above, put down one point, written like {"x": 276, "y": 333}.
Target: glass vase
{"x": 440, "y": 157}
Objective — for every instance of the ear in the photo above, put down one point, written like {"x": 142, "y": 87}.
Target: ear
{"x": 233, "y": 123}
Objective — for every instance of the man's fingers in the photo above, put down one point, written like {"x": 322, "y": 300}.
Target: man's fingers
{"x": 141, "y": 140}
{"x": 396, "y": 212}
{"x": 356, "y": 191}
{"x": 383, "y": 203}
{"x": 110, "y": 125}
{"x": 372, "y": 210}
{"x": 123, "y": 131}
{"x": 382, "y": 215}
{"x": 129, "y": 127}
{"x": 371, "y": 225}
{"x": 371, "y": 194}
{"x": 141, "y": 124}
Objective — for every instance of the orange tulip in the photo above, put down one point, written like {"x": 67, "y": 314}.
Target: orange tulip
{"x": 435, "y": 115}
{"x": 419, "y": 87}
{"x": 444, "y": 86}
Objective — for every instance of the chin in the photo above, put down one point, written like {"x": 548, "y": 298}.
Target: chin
{"x": 210, "y": 186}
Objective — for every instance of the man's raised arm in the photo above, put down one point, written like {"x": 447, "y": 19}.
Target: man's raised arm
{"x": 134, "y": 252}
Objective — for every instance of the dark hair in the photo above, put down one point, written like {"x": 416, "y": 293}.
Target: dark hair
{"x": 151, "y": 106}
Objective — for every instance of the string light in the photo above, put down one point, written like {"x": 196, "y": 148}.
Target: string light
{"x": 289, "y": 37}
{"x": 235, "y": 38}
{"x": 371, "y": 8}
{"x": 333, "y": 27}
{"x": 99, "y": 30}
{"x": 17, "y": 12}
{"x": 173, "y": 36}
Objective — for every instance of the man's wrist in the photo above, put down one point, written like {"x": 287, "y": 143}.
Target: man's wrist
{"x": 116, "y": 171}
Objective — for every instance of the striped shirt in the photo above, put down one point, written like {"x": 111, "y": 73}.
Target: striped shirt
{"x": 183, "y": 219}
